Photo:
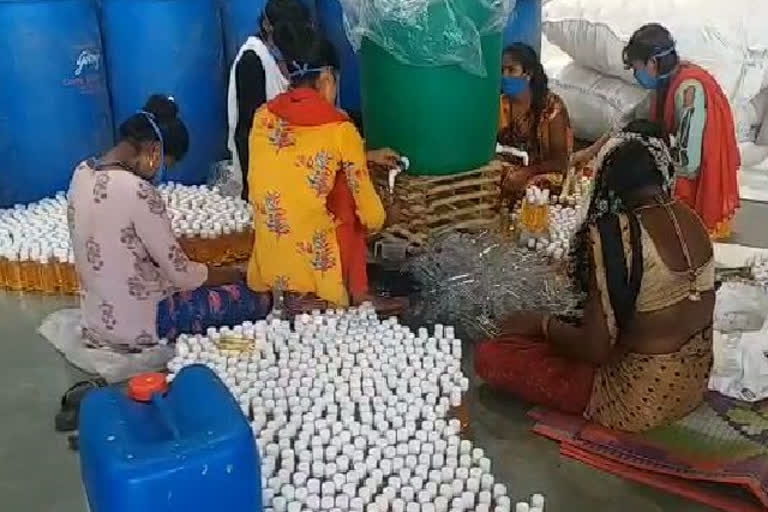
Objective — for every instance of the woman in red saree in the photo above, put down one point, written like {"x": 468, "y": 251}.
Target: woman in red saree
{"x": 641, "y": 354}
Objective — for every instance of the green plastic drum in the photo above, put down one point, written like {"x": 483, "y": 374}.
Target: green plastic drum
{"x": 443, "y": 118}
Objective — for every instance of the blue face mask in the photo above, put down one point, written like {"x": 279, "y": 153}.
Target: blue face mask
{"x": 514, "y": 86}
{"x": 160, "y": 174}
{"x": 646, "y": 80}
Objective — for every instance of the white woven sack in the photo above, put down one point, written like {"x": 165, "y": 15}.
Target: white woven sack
{"x": 722, "y": 37}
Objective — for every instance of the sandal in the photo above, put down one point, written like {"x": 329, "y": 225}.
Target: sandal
{"x": 68, "y": 416}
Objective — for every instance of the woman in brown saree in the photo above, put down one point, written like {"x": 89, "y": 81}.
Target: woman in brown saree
{"x": 533, "y": 119}
{"x": 640, "y": 356}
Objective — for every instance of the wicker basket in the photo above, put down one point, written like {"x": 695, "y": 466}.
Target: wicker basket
{"x": 434, "y": 204}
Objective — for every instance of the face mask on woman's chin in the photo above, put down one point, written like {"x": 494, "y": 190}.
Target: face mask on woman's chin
{"x": 514, "y": 86}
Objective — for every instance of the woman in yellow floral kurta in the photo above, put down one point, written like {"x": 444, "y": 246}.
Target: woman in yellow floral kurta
{"x": 298, "y": 144}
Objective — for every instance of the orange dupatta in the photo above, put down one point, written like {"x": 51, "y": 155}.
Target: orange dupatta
{"x": 714, "y": 194}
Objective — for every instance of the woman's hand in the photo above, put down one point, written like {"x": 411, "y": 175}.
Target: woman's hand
{"x": 523, "y": 323}
{"x": 515, "y": 181}
{"x": 384, "y": 157}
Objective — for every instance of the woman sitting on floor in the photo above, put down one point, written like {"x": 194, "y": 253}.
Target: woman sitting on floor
{"x": 642, "y": 354}
{"x": 533, "y": 119}
{"x": 312, "y": 195}
{"x": 129, "y": 263}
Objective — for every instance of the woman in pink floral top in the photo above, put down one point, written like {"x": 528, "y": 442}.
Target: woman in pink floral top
{"x": 128, "y": 260}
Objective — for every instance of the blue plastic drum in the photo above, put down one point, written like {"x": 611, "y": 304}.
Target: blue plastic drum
{"x": 242, "y": 19}
{"x": 524, "y": 25}
{"x": 172, "y": 47}
{"x": 54, "y": 104}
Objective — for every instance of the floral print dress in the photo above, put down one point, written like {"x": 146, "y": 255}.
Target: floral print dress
{"x": 126, "y": 256}
{"x": 292, "y": 170}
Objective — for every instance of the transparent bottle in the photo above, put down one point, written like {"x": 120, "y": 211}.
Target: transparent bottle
{"x": 4, "y": 267}
{"x": 26, "y": 269}
{"x": 34, "y": 281}
{"x": 60, "y": 268}
{"x": 48, "y": 280}
{"x": 72, "y": 281}
{"x": 14, "y": 280}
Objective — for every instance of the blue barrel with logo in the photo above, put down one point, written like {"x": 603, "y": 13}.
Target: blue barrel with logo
{"x": 330, "y": 18}
{"x": 54, "y": 104}
{"x": 524, "y": 25}
{"x": 172, "y": 47}
{"x": 181, "y": 448}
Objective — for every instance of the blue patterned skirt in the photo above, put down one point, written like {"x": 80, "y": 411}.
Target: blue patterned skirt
{"x": 193, "y": 312}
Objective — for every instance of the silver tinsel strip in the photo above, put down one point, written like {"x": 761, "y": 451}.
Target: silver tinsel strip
{"x": 475, "y": 280}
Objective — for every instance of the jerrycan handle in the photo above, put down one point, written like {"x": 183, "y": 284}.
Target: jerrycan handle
{"x": 164, "y": 412}
{"x": 150, "y": 388}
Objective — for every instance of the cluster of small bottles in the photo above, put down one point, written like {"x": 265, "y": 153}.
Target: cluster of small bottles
{"x": 212, "y": 228}
{"x": 35, "y": 251}
{"x": 546, "y": 222}
{"x": 34, "y": 270}
{"x": 534, "y": 214}
{"x": 351, "y": 413}
{"x": 221, "y": 250}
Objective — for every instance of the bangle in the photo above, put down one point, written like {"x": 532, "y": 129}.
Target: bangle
{"x": 545, "y": 320}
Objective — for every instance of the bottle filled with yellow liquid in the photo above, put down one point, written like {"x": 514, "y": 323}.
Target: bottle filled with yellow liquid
{"x": 60, "y": 269}
{"x": 29, "y": 275}
{"x": 4, "y": 267}
{"x": 48, "y": 279}
{"x": 14, "y": 281}
{"x": 72, "y": 283}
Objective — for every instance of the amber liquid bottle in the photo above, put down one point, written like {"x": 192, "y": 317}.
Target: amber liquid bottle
{"x": 29, "y": 276}
{"x": 48, "y": 280}
{"x": 71, "y": 282}
{"x": 14, "y": 281}
{"x": 4, "y": 266}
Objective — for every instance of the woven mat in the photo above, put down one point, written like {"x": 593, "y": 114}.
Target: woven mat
{"x": 717, "y": 455}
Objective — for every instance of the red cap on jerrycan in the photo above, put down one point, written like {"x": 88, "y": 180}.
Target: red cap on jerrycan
{"x": 142, "y": 387}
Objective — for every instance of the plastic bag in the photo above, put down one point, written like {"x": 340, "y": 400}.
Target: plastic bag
{"x": 428, "y": 32}
{"x": 740, "y": 368}
{"x": 223, "y": 175}
{"x": 62, "y": 329}
{"x": 740, "y": 307}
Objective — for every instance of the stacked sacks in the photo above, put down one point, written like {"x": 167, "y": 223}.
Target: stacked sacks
{"x": 724, "y": 38}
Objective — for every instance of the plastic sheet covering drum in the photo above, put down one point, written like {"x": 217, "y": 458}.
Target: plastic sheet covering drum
{"x": 431, "y": 73}
{"x": 172, "y": 47}
{"x": 54, "y": 105}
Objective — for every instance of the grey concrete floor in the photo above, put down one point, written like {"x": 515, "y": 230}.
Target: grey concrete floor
{"x": 39, "y": 474}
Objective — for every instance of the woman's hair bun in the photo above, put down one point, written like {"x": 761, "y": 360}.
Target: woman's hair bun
{"x": 164, "y": 108}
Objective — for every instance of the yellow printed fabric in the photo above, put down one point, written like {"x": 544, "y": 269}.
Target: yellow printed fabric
{"x": 292, "y": 170}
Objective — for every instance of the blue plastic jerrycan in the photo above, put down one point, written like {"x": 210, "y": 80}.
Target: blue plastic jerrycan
{"x": 181, "y": 448}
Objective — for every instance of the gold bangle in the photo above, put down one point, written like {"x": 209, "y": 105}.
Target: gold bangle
{"x": 545, "y": 320}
